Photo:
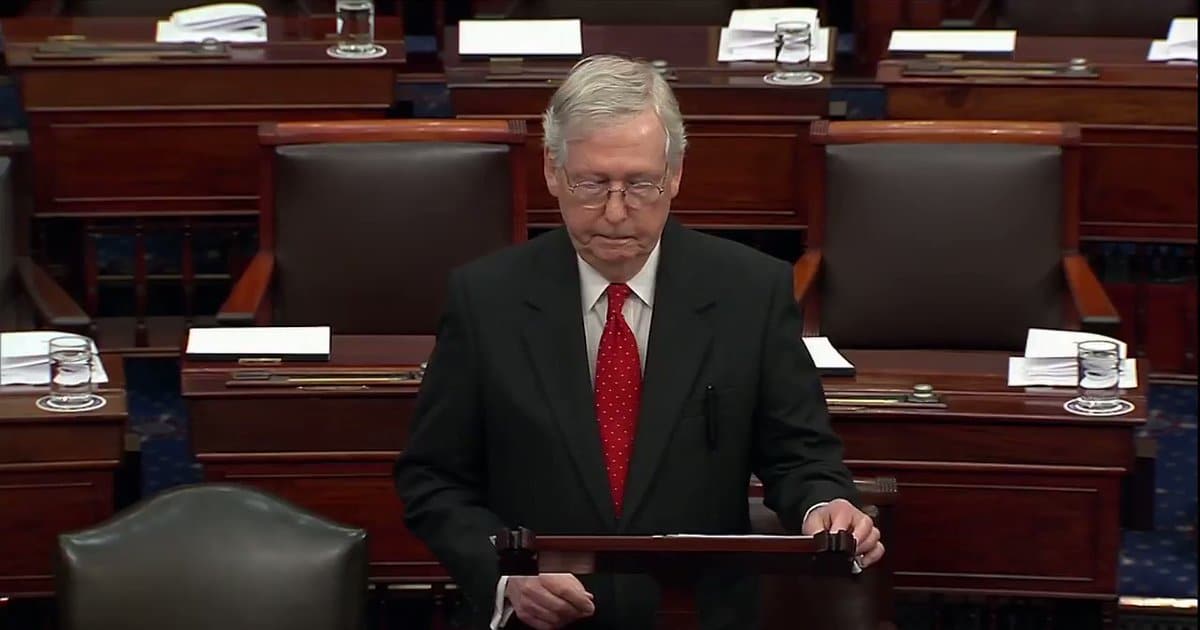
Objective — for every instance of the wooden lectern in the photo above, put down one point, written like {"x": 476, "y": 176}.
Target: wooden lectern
{"x": 674, "y": 561}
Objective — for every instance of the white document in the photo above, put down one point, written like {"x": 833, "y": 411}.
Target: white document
{"x": 169, "y": 33}
{"x": 825, "y": 356}
{"x": 953, "y": 40}
{"x": 737, "y": 45}
{"x": 1180, "y": 44}
{"x": 25, "y": 358}
{"x": 225, "y": 15}
{"x": 1062, "y": 344}
{"x": 764, "y": 20}
{"x": 1020, "y": 375}
{"x": 520, "y": 37}
{"x": 260, "y": 341}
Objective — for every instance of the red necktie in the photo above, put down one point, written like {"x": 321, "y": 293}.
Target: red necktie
{"x": 618, "y": 392}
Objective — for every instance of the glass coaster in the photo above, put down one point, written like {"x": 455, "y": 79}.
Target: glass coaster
{"x": 793, "y": 78}
{"x": 95, "y": 401}
{"x": 1075, "y": 406}
{"x": 376, "y": 51}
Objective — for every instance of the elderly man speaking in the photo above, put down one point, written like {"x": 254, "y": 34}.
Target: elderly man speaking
{"x": 619, "y": 375}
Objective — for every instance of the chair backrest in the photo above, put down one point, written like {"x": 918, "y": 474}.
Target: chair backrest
{"x": 366, "y": 219}
{"x": 942, "y": 234}
{"x": 710, "y": 12}
{"x": 1098, "y": 18}
{"x": 213, "y": 556}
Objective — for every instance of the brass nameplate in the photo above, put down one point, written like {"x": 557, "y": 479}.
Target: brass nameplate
{"x": 998, "y": 69}
{"x": 68, "y": 48}
{"x": 505, "y": 65}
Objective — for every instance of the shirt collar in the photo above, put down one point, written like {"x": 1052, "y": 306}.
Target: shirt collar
{"x": 592, "y": 285}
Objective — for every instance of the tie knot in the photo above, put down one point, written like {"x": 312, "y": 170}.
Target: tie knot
{"x": 616, "y": 296}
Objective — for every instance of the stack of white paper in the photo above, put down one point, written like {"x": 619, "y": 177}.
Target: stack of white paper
{"x": 520, "y": 37}
{"x": 750, "y": 36}
{"x": 238, "y": 22}
{"x": 293, "y": 343}
{"x": 25, "y": 358}
{"x": 953, "y": 41}
{"x": 1051, "y": 359}
{"x": 1180, "y": 43}
{"x": 827, "y": 359}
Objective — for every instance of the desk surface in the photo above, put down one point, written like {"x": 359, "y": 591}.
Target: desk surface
{"x": 974, "y": 383}
{"x": 16, "y": 401}
{"x": 292, "y": 40}
{"x": 690, "y": 51}
{"x": 1120, "y": 62}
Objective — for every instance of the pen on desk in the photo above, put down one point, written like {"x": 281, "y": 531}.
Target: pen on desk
{"x": 710, "y": 417}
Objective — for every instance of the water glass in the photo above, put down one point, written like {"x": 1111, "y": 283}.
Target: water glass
{"x": 70, "y": 372}
{"x": 793, "y": 46}
{"x": 355, "y": 27}
{"x": 1099, "y": 375}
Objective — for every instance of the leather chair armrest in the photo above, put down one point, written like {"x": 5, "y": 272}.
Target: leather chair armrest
{"x": 54, "y": 307}
{"x": 1095, "y": 310}
{"x": 804, "y": 274}
{"x": 246, "y": 302}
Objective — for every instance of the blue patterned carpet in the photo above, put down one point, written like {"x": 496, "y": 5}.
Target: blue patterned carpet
{"x": 1160, "y": 563}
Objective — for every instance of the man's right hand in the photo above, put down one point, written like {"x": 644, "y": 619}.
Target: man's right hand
{"x": 549, "y": 601}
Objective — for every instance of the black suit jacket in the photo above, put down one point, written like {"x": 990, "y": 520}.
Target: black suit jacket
{"x": 505, "y": 434}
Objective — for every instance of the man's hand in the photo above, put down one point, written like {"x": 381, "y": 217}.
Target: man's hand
{"x": 549, "y": 601}
{"x": 841, "y": 515}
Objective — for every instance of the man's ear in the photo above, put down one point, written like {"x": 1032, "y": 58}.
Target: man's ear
{"x": 550, "y": 172}
{"x": 675, "y": 178}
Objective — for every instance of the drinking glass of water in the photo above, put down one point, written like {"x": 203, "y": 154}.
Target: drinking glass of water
{"x": 793, "y": 51}
{"x": 70, "y": 372}
{"x": 356, "y": 31}
{"x": 1099, "y": 379}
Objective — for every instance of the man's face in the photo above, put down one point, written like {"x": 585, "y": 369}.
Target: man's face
{"x": 615, "y": 233}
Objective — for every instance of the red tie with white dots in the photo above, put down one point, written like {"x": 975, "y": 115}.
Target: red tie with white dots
{"x": 618, "y": 392}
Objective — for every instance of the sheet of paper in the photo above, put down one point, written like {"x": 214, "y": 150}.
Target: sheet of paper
{"x": 520, "y": 37}
{"x": 260, "y": 341}
{"x": 40, "y": 374}
{"x": 766, "y": 19}
{"x": 1162, "y": 50}
{"x": 953, "y": 40}
{"x": 1019, "y": 375}
{"x": 1182, "y": 31}
{"x": 824, "y": 355}
{"x": 736, "y": 45}
{"x": 32, "y": 345}
{"x": 1047, "y": 343}
{"x": 169, "y": 33}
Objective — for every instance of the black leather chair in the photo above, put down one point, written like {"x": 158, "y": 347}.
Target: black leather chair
{"x": 362, "y": 221}
{"x": 213, "y": 556}
{"x": 29, "y": 297}
{"x": 945, "y": 235}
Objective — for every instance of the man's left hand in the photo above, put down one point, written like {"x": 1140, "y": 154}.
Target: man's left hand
{"x": 841, "y": 515}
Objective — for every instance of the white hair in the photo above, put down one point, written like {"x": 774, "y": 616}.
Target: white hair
{"x": 605, "y": 89}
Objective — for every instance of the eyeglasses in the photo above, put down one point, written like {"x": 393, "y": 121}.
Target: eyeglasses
{"x": 594, "y": 195}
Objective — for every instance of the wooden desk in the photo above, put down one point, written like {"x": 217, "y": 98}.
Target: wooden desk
{"x": 146, "y": 145}
{"x": 56, "y": 475}
{"x": 746, "y": 139}
{"x": 1017, "y": 495}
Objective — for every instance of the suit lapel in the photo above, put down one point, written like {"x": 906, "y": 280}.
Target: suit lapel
{"x": 679, "y": 342}
{"x": 553, "y": 334}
